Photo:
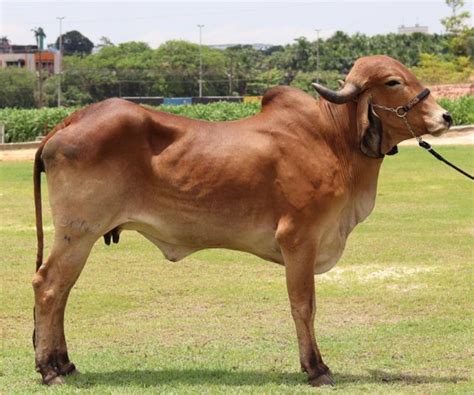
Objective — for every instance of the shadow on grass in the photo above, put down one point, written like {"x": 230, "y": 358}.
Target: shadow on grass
{"x": 156, "y": 378}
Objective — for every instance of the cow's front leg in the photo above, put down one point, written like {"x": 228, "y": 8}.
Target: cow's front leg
{"x": 299, "y": 264}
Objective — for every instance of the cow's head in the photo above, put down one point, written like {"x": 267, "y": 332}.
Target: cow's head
{"x": 384, "y": 81}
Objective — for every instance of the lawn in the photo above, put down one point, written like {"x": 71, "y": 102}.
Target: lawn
{"x": 394, "y": 316}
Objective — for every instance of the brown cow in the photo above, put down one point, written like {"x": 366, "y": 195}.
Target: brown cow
{"x": 288, "y": 185}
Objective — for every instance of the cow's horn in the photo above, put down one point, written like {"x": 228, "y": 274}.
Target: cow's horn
{"x": 348, "y": 92}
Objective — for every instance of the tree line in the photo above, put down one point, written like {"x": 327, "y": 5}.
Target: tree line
{"x": 172, "y": 69}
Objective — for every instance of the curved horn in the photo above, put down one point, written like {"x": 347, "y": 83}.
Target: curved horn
{"x": 348, "y": 92}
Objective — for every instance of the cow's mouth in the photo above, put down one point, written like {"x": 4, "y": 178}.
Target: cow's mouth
{"x": 439, "y": 131}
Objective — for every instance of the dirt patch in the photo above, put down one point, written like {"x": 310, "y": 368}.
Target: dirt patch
{"x": 452, "y": 91}
{"x": 18, "y": 155}
{"x": 450, "y": 138}
{"x": 372, "y": 273}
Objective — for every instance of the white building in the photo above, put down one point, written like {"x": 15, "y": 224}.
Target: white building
{"x": 412, "y": 29}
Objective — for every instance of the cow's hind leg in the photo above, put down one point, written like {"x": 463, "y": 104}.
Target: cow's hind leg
{"x": 52, "y": 284}
{"x": 299, "y": 262}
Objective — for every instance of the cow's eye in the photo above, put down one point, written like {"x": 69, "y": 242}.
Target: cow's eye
{"x": 392, "y": 83}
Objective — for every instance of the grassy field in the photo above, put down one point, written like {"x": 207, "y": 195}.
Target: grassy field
{"x": 394, "y": 316}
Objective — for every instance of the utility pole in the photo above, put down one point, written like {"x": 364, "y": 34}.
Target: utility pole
{"x": 60, "y": 71}
{"x": 40, "y": 81}
{"x": 230, "y": 74}
{"x": 39, "y": 36}
{"x": 317, "y": 55}
{"x": 200, "y": 59}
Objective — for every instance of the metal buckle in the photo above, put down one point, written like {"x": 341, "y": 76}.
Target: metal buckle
{"x": 401, "y": 111}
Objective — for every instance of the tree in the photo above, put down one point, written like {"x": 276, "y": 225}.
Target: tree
{"x": 177, "y": 62}
{"x": 457, "y": 22}
{"x": 303, "y": 80}
{"x": 4, "y": 44}
{"x": 135, "y": 69}
{"x": 456, "y": 25}
{"x": 105, "y": 42}
{"x": 464, "y": 44}
{"x": 39, "y": 36}
{"x": 74, "y": 43}
{"x": 243, "y": 64}
{"x": 18, "y": 88}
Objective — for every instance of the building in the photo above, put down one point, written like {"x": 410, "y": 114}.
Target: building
{"x": 28, "y": 57}
{"x": 412, "y": 29}
{"x": 257, "y": 46}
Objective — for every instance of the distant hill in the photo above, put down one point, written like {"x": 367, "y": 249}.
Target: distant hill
{"x": 258, "y": 46}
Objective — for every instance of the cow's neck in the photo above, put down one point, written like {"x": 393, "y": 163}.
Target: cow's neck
{"x": 339, "y": 128}
{"x": 361, "y": 172}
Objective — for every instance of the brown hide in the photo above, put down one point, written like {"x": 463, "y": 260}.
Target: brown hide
{"x": 288, "y": 184}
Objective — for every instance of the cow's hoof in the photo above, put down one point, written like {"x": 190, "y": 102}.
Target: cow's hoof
{"x": 324, "y": 379}
{"x": 53, "y": 380}
{"x": 75, "y": 372}
{"x": 68, "y": 369}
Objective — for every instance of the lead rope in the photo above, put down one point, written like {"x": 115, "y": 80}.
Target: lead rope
{"x": 401, "y": 112}
{"x": 427, "y": 146}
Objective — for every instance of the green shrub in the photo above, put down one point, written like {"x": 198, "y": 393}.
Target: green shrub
{"x": 26, "y": 125}
{"x": 461, "y": 109}
{"x": 222, "y": 111}
{"x": 435, "y": 69}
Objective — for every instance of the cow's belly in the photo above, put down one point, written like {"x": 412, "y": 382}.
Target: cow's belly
{"x": 178, "y": 233}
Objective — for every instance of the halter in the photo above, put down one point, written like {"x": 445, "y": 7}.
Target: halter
{"x": 401, "y": 112}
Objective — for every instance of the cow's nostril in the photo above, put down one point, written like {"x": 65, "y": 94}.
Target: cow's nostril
{"x": 448, "y": 118}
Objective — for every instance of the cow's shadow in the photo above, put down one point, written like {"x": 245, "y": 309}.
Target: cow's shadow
{"x": 156, "y": 378}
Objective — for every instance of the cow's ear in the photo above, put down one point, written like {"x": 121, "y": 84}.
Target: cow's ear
{"x": 369, "y": 127}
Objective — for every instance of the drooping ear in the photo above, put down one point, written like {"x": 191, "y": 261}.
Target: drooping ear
{"x": 369, "y": 127}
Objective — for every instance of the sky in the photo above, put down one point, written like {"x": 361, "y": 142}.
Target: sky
{"x": 225, "y": 22}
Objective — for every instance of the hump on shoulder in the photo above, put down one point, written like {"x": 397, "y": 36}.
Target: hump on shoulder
{"x": 286, "y": 97}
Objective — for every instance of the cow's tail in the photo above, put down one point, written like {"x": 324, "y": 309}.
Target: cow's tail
{"x": 38, "y": 168}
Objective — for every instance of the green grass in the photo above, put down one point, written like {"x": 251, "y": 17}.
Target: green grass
{"x": 394, "y": 316}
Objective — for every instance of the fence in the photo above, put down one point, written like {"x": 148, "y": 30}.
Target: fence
{"x": 176, "y": 101}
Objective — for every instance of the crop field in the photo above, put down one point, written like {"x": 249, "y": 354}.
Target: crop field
{"x": 394, "y": 316}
